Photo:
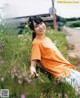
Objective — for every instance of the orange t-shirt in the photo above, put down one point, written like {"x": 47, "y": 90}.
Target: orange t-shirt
{"x": 49, "y": 56}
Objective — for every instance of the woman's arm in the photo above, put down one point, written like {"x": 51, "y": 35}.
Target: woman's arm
{"x": 33, "y": 68}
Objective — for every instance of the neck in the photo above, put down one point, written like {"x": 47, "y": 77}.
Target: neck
{"x": 40, "y": 36}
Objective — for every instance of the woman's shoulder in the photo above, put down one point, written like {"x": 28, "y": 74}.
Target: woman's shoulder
{"x": 36, "y": 41}
{"x": 40, "y": 41}
{"x": 48, "y": 38}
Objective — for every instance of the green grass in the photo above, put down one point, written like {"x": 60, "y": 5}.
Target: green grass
{"x": 73, "y": 23}
{"x": 17, "y": 52}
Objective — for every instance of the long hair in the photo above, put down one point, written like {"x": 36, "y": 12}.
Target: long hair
{"x": 33, "y": 35}
{"x": 37, "y": 20}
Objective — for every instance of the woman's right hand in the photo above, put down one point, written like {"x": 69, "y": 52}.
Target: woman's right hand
{"x": 33, "y": 69}
{"x": 33, "y": 72}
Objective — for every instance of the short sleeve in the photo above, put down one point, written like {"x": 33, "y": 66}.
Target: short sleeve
{"x": 36, "y": 54}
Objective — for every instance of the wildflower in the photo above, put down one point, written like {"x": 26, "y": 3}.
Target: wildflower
{"x": 26, "y": 26}
{"x": 14, "y": 69}
{"x": 12, "y": 76}
{"x": 19, "y": 81}
{"x": 22, "y": 96}
{"x": 24, "y": 73}
{"x": 28, "y": 80}
{"x": 16, "y": 74}
{"x": 67, "y": 37}
{"x": 20, "y": 36}
{"x": 19, "y": 77}
{"x": 2, "y": 79}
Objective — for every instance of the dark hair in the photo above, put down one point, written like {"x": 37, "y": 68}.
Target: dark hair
{"x": 36, "y": 19}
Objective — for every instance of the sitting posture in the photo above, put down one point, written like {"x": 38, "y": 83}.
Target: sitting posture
{"x": 46, "y": 53}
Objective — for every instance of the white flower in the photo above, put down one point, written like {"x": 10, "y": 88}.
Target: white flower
{"x": 12, "y": 76}
{"x": 2, "y": 79}
{"x": 19, "y": 81}
{"x": 67, "y": 37}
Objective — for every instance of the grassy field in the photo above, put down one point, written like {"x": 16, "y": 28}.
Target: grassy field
{"x": 73, "y": 23}
{"x": 14, "y": 71}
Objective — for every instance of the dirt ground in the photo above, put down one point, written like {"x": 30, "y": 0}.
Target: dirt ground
{"x": 73, "y": 37}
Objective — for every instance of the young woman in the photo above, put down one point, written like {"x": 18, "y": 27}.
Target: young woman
{"x": 46, "y": 53}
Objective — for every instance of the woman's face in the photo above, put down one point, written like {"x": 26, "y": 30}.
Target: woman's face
{"x": 39, "y": 29}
